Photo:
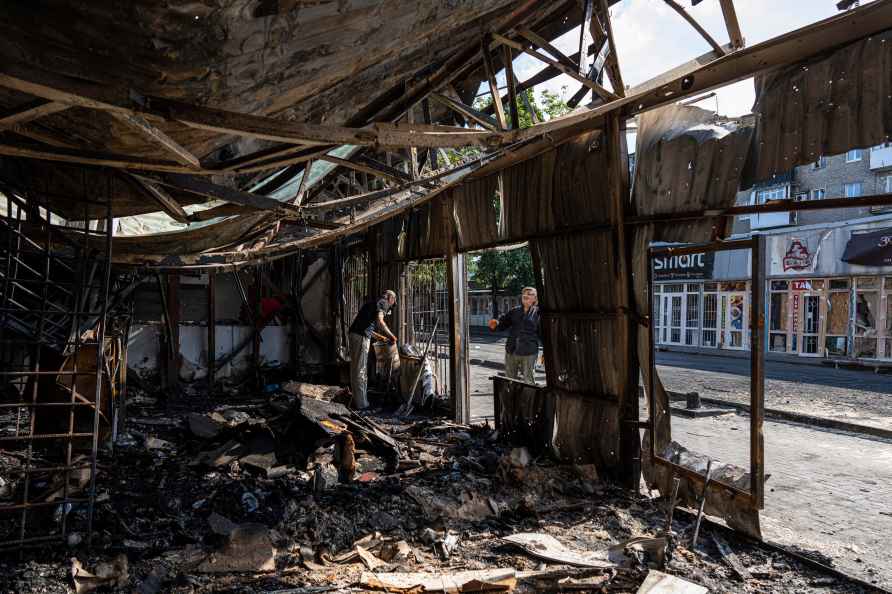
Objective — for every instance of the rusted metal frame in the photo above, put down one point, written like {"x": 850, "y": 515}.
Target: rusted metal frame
{"x": 693, "y": 22}
{"x": 512, "y": 89}
{"x": 732, "y": 24}
{"x": 755, "y": 496}
{"x": 489, "y": 69}
{"x": 212, "y": 329}
{"x": 35, "y": 366}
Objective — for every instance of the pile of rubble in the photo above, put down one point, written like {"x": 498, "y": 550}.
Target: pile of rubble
{"x": 292, "y": 492}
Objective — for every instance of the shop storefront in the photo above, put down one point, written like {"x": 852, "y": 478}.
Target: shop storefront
{"x": 829, "y": 295}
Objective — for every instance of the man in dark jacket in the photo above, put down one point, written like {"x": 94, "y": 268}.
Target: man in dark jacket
{"x": 370, "y": 317}
{"x": 523, "y": 340}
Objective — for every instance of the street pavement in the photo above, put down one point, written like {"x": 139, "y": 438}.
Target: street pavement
{"x": 830, "y": 492}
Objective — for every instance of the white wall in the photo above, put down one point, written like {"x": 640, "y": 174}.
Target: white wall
{"x": 145, "y": 358}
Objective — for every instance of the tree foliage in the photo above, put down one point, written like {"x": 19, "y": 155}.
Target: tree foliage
{"x": 502, "y": 270}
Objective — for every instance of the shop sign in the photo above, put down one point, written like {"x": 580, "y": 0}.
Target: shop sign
{"x": 870, "y": 249}
{"x": 795, "y": 312}
{"x": 800, "y": 285}
{"x": 797, "y": 256}
{"x": 684, "y": 267}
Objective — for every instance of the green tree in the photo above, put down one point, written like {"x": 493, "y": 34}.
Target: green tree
{"x": 551, "y": 106}
{"x": 498, "y": 270}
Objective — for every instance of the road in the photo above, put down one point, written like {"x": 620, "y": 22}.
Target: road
{"x": 830, "y": 492}
{"x": 853, "y": 396}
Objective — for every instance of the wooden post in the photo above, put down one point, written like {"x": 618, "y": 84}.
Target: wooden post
{"x": 627, "y": 350}
{"x": 758, "y": 338}
{"x": 173, "y": 310}
{"x": 258, "y": 317}
{"x": 212, "y": 330}
{"x": 512, "y": 89}
{"x": 459, "y": 371}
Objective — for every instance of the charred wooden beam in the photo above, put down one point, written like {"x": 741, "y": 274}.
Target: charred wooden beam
{"x": 489, "y": 69}
{"x": 732, "y": 24}
{"x": 359, "y": 166}
{"x": 512, "y": 88}
{"x": 613, "y": 69}
{"x": 304, "y": 180}
{"x": 545, "y": 45}
{"x": 170, "y": 206}
{"x": 224, "y": 210}
{"x": 585, "y": 36}
{"x": 84, "y": 157}
{"x": 195, "y": 185}
{"x": 601, "y": 91}
{"x": 693, "y": 22}
{"x": 158, "y": 137}
{"x": 11, "y": 118}
{"x": 467, "y": 111}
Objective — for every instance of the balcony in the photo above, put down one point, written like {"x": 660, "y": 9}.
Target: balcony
{"x": 881, "y": 156}
{"x": 768, "y": 220}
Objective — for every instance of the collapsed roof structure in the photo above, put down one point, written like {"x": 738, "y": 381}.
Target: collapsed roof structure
{"x": 271, "y": 130}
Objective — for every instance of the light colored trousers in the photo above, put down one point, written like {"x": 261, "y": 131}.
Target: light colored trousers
{"x": 359, "y": 364}
{"x": 520, "y": 367}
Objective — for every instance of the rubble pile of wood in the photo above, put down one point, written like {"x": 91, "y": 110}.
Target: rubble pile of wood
{"x": 293, "y": 492}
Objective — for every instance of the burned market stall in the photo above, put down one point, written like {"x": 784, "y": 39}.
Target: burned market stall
{"x": 197, "y": 200}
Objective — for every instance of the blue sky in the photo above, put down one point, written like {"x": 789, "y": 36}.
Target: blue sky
{"x": 652, "y": 38}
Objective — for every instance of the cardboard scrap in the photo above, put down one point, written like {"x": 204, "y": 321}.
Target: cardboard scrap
{"x": 249, "y": 549}
{"x": 480, "y": 580}
{"x": 545, "y": 546}
{"x": 114, "y": 573}
{"x": 658, "y": 582}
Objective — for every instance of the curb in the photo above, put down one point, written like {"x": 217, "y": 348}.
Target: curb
{"x": 783, "y": 415}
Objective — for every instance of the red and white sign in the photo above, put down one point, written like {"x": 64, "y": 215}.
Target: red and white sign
{"x": 797, "y": 257}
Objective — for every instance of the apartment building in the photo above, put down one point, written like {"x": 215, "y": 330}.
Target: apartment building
{"x": 829, "y": 271}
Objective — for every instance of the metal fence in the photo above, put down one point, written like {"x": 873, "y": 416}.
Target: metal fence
{"x": 427, "y": 302}
{"x": 55, "y": 383}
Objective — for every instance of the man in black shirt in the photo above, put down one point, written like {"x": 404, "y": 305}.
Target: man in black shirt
{"x": 370, "y": 316}
{"x": 523, "y": 341}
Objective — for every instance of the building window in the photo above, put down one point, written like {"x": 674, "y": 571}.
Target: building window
{"x": 867, "y": 300}
{"x": 692, "y": 318}
{"x": 836, "y": 321}
{"x": 818, "y": 194}
{"x": 852, "y": 190}
{"x": 853, "y": 155}
{"x": 885, "y": 186}
{"x": 820, "y": 163}
{"x": 763, "y": 196}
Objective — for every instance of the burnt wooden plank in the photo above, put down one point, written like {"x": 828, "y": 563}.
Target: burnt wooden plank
{"x": 732, "y": 24}
{"x": 601, "y": 91}
{"x": 512, "y": 88}
{"x": 173, "y": 208}
{"x": 467, "y": 111}
{"x": 83, "y": 157}
{"x": 613, "y": 69}
{"x": 195, "y": 185}
{"x": 11, "y": 118}
{"x": 359, "y": 166}
{"x": 158, "y": 137}
{"x": 489, "y": 69}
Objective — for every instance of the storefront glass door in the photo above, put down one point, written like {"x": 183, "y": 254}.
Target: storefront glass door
{"x": 810, "y": 335}
{"x": 734, "y": 320}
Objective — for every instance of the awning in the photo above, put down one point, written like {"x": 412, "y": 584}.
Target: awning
{"x": 870, "y": 249}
